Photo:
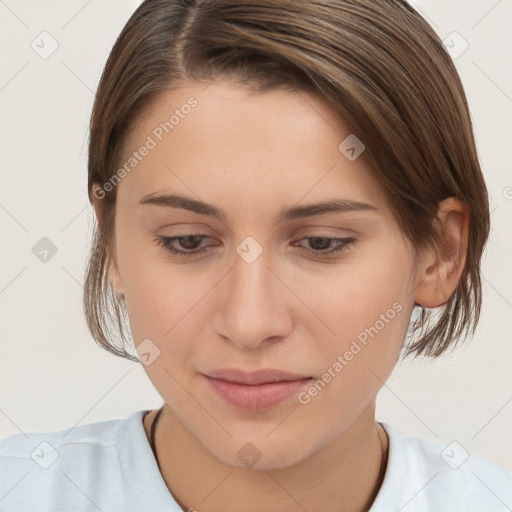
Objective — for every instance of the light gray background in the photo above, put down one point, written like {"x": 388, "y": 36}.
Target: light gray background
{"x": 52, "y": 374}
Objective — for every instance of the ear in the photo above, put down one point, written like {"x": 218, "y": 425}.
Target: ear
{"x": 440, "y": 270}
{"x": 98, "y": 195}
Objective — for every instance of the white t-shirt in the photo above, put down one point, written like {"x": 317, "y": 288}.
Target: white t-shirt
{"x": 108, "y": 466}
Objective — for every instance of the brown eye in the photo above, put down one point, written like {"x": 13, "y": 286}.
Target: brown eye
{"x": 321, "y": 245}
{"x": 188, "y": 242}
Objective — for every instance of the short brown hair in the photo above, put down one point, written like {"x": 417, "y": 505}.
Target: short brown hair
{"x": 379, "y": 64}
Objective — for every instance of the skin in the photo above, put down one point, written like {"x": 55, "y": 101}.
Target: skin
{"x": 253, "y": 154}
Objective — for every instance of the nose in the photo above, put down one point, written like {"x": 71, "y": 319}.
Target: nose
{"x": 253, "y": 306}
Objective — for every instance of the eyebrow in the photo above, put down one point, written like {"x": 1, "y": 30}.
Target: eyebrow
{"x": 337, "y": 205}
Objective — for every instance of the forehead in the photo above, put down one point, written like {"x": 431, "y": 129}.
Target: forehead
{"x": 227, "y": 144}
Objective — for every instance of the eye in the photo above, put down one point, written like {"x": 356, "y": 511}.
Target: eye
{"x": 190, "y": 245}
{"x": 188, "y": 242}
{"x": 321, "y": 243}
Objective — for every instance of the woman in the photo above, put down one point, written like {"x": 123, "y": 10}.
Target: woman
{"x": 279, "y": 187}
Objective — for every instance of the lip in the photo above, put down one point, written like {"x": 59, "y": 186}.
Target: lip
{"x": 255, "y": 391}
{"x": 254, "y": 378}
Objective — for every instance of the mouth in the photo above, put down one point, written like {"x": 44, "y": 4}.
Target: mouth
{"x": 255, "y": 378}
{"x": 255, "y": 391}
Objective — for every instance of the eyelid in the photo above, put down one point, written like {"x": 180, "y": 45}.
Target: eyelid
{"x": 336, "y": 229}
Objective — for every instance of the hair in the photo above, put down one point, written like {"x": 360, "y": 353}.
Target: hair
{"x": 378, "y": 63}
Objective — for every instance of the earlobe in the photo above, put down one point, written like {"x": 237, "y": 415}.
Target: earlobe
{"x": 115, "y": 279}
{"x": 440, "y": 270}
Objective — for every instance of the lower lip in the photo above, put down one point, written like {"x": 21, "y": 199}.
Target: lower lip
{"x": 259, "y": 397}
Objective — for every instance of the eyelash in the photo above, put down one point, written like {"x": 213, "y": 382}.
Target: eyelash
{"x": 165, "y": 242}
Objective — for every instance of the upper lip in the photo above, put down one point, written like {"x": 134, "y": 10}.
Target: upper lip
{"x": 255, "y": 377}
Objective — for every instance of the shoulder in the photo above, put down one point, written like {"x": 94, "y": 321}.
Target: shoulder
{"x": 425, "y": 475}
{"x": 45, "y": 449}
{"x": 35, "y": 468}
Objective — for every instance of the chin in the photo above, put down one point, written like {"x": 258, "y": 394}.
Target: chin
{"x": 261, "y": 454}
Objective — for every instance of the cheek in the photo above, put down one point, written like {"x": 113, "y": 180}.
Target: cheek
{"x": 159, "y": 296}
{"x": 358, "y": 291}
{"x": 369, "y": 315}
{"x": 162, "y": 311}
{"x": 365, "y": 306}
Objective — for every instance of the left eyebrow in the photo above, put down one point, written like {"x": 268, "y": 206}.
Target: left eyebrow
{"x": 338, "y": 205}
{"x": 331, "y": 206}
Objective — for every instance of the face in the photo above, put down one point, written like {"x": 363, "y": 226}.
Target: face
{"x": 323, "y": 295}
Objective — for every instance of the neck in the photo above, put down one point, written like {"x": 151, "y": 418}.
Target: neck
{"x": 344, "y": 475}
